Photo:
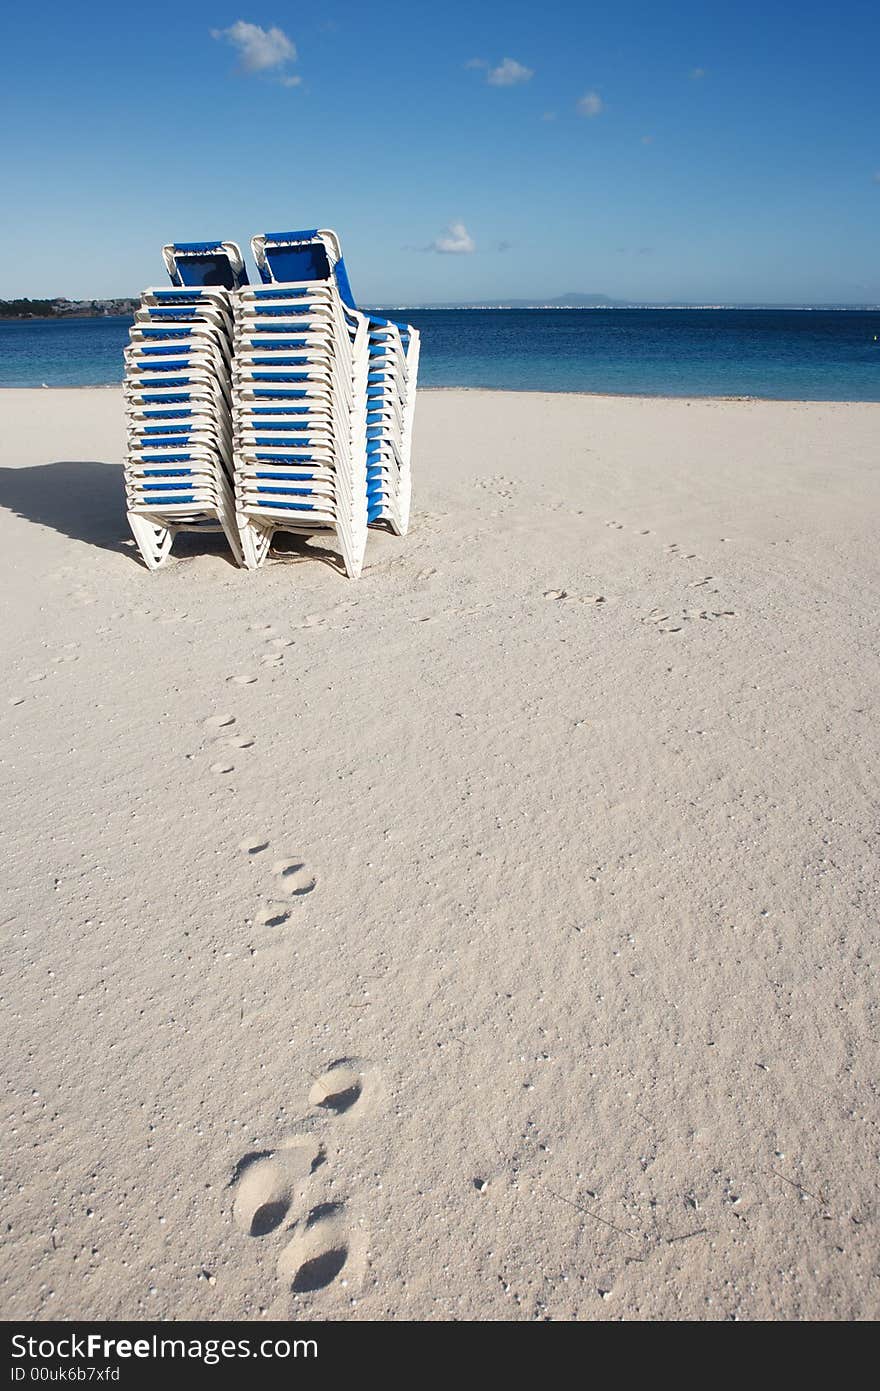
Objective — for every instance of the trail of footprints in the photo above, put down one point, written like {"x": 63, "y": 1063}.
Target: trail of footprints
{"x": 271, "y": 657}
{"x": 291, "y": 879}
{"x": 271, "y": 1187}
{"x": 498, "y": 484}
{"x": 221, "y": 726}
{"x": 667, "y": 623}
{"x": 673, "y": 622}
{"x": 268, "y": 659}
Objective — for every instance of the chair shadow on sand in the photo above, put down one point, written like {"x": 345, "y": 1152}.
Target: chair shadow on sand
{"x": 85, "y": 499}
{"x": 81, "y": 499}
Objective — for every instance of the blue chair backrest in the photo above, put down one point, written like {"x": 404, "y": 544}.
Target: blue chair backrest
{"x": 293, "y": 256}
{"x": 303, "y": 262}
{"x": 204, "y": 263}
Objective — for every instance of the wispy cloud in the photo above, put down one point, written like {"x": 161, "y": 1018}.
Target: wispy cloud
{"x": 509, "y": 73}
{"x": 590, "y": 104}
{"x": 260, "y": 50}
{"x": 549, "y": 116}
{"x": 697, "y": 74}
{"x": 455, "y": 241}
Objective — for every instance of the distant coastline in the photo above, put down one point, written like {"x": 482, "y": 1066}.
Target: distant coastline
{"x": 60, "y": 308}
{"x": 12, "y": 309}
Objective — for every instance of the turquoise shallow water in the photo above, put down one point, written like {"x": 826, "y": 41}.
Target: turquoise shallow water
{"x": 777, "y": 354}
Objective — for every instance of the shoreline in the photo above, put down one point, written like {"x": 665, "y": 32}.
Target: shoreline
{"x": 549, "y": 395}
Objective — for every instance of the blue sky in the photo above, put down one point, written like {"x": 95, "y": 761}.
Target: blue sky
{"x": 693, "y": 151}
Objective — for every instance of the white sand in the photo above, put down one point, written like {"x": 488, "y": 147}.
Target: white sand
{"x": 588, "y": 891}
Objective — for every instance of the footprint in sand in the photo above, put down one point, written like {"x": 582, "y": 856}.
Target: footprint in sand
{"x": 349, "y": 1084}
{"x": 272, "y": 915}
{"x": 452, "y": 613}
{"x": 252, "y": 845}
{"x": 318, "y": 1252}
{"x": 219, "y": 721}
{"x": 662, "y": 620}
{"x": 222, "y": 767}
{"x": 240, "y": 741}
{"x": 270, "y": 1184}
{"x": 563, "y": 596}
{"x": 618, "y": 526}
{"x": 666, "y": 623}
{"x": 295, "y": 878}
{"x": 271, "y": 659}
{"x": 246, "y": 679}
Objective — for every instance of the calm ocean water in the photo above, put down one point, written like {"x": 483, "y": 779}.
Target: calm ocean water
{"x": 783, "y": 354}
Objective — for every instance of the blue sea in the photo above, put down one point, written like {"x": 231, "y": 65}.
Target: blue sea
{"x": 781, "y": 354}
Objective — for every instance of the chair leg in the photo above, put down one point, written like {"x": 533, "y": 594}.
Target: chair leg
{"x": 154, "y": 542}
{"x": 255, "y": 542}
{"x": 227, "y": 520}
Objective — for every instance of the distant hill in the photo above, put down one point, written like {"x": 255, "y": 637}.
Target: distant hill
{"x": 589, "y": 301}
{"x": 64, "y": 308}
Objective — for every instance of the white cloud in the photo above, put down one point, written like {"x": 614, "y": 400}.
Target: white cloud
{"x": 260, "y": 50}
{"x": 697, "y": 73}
{"x": 508, "y": 73}
{"x": 455, "y": 241}
{"x": 590, "y": 104}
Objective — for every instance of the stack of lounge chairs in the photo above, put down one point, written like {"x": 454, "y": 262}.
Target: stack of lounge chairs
{"x": 276, "y": 407}
{"x": 391, "y": 399}
{"x": 178, "y": 472}
{"x": 299, "y": 401}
